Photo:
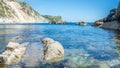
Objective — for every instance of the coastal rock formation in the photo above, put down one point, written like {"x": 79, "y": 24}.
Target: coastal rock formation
{"x": 13, "y": 53}
{"x": 98, "y": 23}
{"x": 53, "y": 50}
{"x": 15, "y": 11}
{"x": 81, "y": 23}
{"x": 58, "y": 22}
{"x": 112, "y": 21}
{"x": 54, "y": 19}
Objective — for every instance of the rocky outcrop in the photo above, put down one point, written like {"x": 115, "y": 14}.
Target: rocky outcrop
{"x": 54, "y": 19}
{"x": 15, "y": 11}
{"x": 82, "y": 23}
{"x": 112, "y": 21}
{"x": 13, "y": 53}
{"x": 57, "y": 22}
{"x": 98, "y": 23}
{"x": 53, "y": 50}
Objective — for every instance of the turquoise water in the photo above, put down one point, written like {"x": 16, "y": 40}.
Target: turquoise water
{"x": 85, "y": 46}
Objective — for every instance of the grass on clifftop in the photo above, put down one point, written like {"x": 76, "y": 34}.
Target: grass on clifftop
{"x": 52, "y": 18}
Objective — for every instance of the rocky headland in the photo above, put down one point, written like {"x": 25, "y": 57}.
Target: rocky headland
{"x": 54, "y": 19}
{"x": 82, "y": 23}
{"x": 112, "y": 21}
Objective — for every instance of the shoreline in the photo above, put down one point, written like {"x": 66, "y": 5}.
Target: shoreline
{"x": 74, "y": 23}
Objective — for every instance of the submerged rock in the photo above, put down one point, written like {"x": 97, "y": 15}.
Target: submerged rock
{"x": 13, "y": 53}
{"x": 53, "y": 50}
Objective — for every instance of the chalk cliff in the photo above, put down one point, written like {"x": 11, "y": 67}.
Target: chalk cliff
{"x": 15, "y": 11}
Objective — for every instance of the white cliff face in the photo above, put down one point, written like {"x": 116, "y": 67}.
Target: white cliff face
{"x": 18, "y": 12}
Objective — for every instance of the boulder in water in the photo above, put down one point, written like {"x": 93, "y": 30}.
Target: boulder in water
{"x": 13, "y": 53}
{"x": 53, "y": 50}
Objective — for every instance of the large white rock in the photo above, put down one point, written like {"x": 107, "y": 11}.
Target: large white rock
{"x": 53, "y": 50}
{"x": 13, "y": 53}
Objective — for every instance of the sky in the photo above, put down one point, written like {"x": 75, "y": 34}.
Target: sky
{"x": 74, "y": 10}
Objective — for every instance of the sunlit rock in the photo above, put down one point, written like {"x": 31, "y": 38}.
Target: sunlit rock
{"x": 13, "y": 53}
{"x": 53, "y": 50}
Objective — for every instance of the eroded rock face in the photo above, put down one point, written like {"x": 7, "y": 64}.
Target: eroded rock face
{"x": 13, "y": 53}
{"x": 53, "y": 50}
{"x": 112, "y": 21}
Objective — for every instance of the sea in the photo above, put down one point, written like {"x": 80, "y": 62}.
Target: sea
{"x": 85, "y": 46}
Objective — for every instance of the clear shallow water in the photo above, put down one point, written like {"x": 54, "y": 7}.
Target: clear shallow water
{"x": 85, "y": 46}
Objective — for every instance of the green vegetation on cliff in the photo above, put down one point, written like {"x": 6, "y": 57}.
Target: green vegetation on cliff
{"x": 52, "y": 18}
{"x": 25, "y": 5}
{"x": 6, "y": 11}
{"x": 3, "y": 10}
{"x": 2, "y": 13}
